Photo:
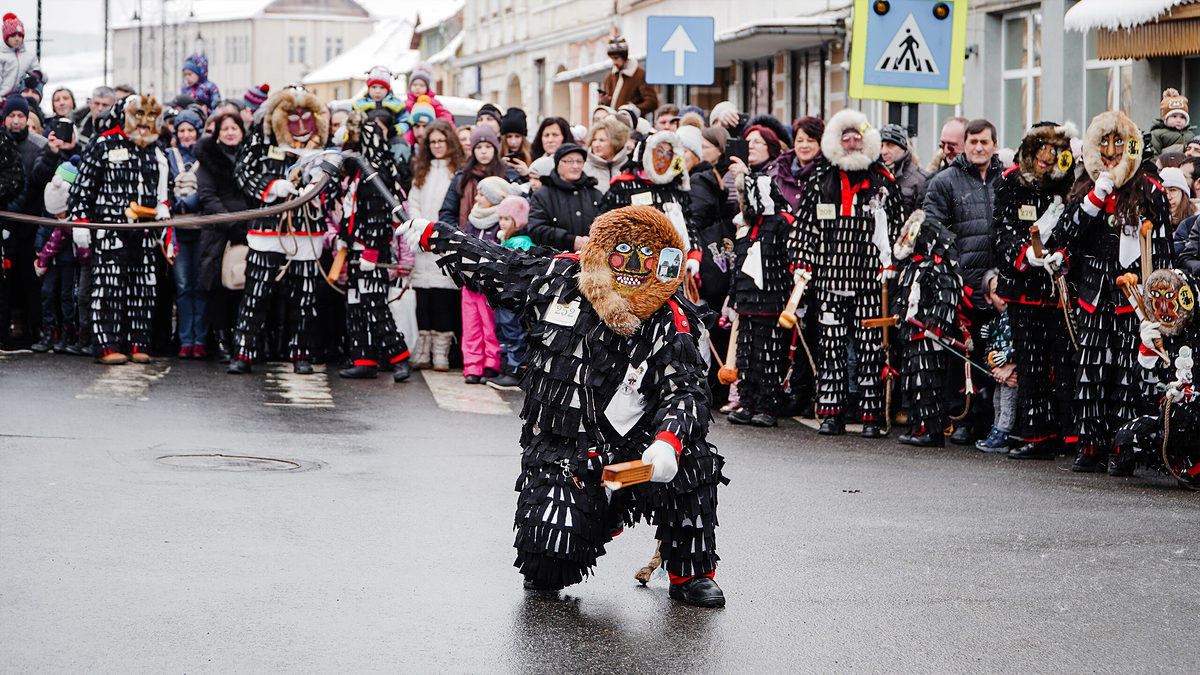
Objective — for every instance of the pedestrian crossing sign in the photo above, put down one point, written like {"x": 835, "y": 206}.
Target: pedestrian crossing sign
{"x": 909, "y": 51}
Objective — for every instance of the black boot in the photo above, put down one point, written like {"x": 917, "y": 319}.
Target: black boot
{"x": 741, "y": 416}
{"x": 401, "y": 370}
{"x": 764, "y": 419}
{"x": 509, "y": 380}
{"x": 1090, "y": 462}
{"x": 302, "y": 367}
{"x": 961, "y": 436}
{"x": 871, "y": 429}
{"x": 238, "y": 367}
{"x": 224, "y": 353}
{"x": 44, "y": 341}
{"x": 832, "y": 426}
{"x": 364, "y": 372}
{"x": 922, "y": 436}
{"x": 1044, "y": 449}
{"x": 698, "y": 591}
{"x": 1121, "y": 464}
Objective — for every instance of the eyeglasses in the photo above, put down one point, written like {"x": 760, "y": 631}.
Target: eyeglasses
{"x": 437, "y": 141}
{"x": 571, "y": 161}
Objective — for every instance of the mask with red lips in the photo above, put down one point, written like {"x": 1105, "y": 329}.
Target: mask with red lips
{"x": 1172, "y": 300}
{"x": 631, "y": 265}
{"x": 296, "y": 119}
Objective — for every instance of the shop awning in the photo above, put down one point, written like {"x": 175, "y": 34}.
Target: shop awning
{"x": 763, "y": 38}
{"x": 1139, "y": 30}
{"x": 590, "y": 73}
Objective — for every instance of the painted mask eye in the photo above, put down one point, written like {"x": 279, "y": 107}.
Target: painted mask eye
{"x": 623, "y": 248}
{"x": 293, "y": 117}
{"x": 307, "y": 115}
{"x": 646, "y": 251}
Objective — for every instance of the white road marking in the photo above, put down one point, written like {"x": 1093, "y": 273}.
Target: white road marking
{"x": 298, "y": 391}
{"x": 455, "y": 395}
{"x": 129, "y": 382}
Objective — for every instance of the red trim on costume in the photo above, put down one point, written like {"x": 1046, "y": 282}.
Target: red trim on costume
{"x": 1090, "y": 309}
{"x": 1022, "y": 263}
{"x": 425, "y": 237}
{"x": 568, "y": 256}
{"x": 848, "y": 192}
{"x": 1124, "y": 309}
{"x": 695, "y": 254}
{"x": 365, "y": 362}
{"x": 1070, "y": 439}
{"x": 680, "y": 580}
{"x": 399, "y": 357}
{"x": 268, "y": 190}
{"x": 115, "y": 131}
{"x": 82, "y": 220}
{"x": 788, "y": 217}
{"x": 1096, "y": 201}
{"x": 681, "y": 322}
{"x": 1146, "y": 351}
{"x": 1010, "y": 170}
{"x": 671, "y": 438}
{"x": 1155, "y": 183}
{"x": 370, "y": 255}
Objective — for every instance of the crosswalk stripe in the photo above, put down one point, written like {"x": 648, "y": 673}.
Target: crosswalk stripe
{"x": 130, "y": 381}
{"x": 455, "y": 395}
{"x": 298, "y": 391}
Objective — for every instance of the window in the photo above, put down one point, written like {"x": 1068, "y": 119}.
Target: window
{"x": 1022, "y": 88}
{"x": 291, "y": 50}
{"x": 301, "y": 51}
{"x": 328, "y": 48}
{"x": 808, "y": 83}
{"x": 1108, "y": 85}
{"x": 757, "y": 88}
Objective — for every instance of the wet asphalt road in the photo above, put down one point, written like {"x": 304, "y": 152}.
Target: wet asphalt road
{"x": 389, "y": 548}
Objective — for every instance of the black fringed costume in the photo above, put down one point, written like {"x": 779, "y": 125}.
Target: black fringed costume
{"x": 838, "y": 239}
{"x": 929, "y": 290}
{"x": 762, "y": 281}
{"x": 368, "y": 230}
{"x": 594, "y": 397}
{"x": 1041, "y": 344}
{"x": 115, "y": 171}
{"x": 284, "y": 251}
{"x": 1110, "y": 387}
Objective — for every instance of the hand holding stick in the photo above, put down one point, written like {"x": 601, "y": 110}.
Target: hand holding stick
{"x": 1128, "y": 283}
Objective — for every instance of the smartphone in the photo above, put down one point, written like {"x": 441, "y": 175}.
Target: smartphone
{"x": 513, "y": 155}
{"x": 738, "y": 147}
{"x": 64, "y": 131}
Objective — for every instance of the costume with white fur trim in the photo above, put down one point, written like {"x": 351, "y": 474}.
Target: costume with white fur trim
{"x": 608, "y": 374}
{"x": 765, "y": 256}
{"x": 1102, "y": 235}
{"x": 930, "y": 290}
{"x": 1025, "y": 194}
{"x": 122, "y": 165}
{"x": 847, "y": 219}
{"x": 665, "y": 188}
{"x": 367, "y": 229}
{"x": 292, "y": 243}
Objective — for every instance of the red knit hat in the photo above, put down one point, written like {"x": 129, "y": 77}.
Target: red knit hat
{"x": 12, "y": 26}
{"x": 380, "y": 75}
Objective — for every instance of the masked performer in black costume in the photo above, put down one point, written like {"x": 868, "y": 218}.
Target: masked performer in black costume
{"x": 123, "y": 177}
{"x": 615, "y": 374}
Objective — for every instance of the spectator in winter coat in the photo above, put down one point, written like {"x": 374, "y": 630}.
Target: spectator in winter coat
{"x": 379, "y": 96}
{"x": 627, "y": 82}
{"x": 792, "y": 168}
{"x": 196, "y": 83}
{"x": 562, "y": 211}
{"x": 1174, "y": 127}
{"x": 897, "y": 156}
{"x": 483, "y": 161}
{"x": 191, "y": 301}
{"x": 16, "y": 60}
{"x": 420, "y": 83}
{"x": 56, "y": 264}
{"x": 711, "y": 216}
{"x": 606, "y": 152}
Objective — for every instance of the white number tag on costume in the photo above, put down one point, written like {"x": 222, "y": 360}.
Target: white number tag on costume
{"x": 826, "y": 212}
{"x": 276, "y": 152}
{"x": 562, "y": 313}
{"x": 642, "y": 199}
{"x": 628, "y": 404}
{"x": 118, "y": 155}
{"x": 1027, "y": 212}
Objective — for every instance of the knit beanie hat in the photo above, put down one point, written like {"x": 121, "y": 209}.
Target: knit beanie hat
{"x": 542, "y": 166}
{"x": 495, "y": 189}
{"x": 189, "y": 116}
{"x": 69, "y": 170}
{"x": 691, "y": 139}
{"x": 566, "y": 149}
{"x": 515, "y": 207}
{"x": 490, "y": 111}
{"x": 482, "y": 134}
{"x": 894, "y": 133}
{"x": 617, "y": 46}
{"x": 1173, "y": 177}
{"x": 1172, "y": 102}
{"x": 513, "y": 122}
{"x": 422, "y": 111}
{"x": 198, "y": 64}
{"x": 694, "y": 109}
{"x": 380, "y": 75}
{"x": 717, "y": 135}
{"x": 256, "y": 96}
{"x": 15, "y": 103}
{"x": 422, "y": 71}
{"x": 12, "y": 26}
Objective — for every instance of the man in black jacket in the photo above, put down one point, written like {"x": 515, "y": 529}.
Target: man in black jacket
{"x": 960, "y": 198}
{"x": 562, "y": 211}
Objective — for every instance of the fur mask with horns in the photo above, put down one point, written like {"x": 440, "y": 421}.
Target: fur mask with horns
{"x": 852, "y": 124}
{"x": 140, "y": 117}
{"x": 631, "y": 265}
{"x": 294, "y": 118}
{"x": 1112, "y": 143}
{"x": 1045, "y": 154}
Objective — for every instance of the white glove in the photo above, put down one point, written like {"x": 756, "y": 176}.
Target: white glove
{"x": 1174, "y": 392}
{"x": 1054, "y": 262}
{"x": 412, "y": 230}
{"x": 280, "y": 189}
{"x": 692, "y": 266}
{"x": 185, "y": 185}
{"x": 801, "y": 274}
{"x": 366, "y": 265}
{"x": 1104, "y": 185}
{"x": 81, "y": 236}
{"x": 162, "y": 212}
{"x": 661, "y": 455}
{"x": 339, "y": 243}
{"x": 38, "y": 269}
{"x": 1033, "y": 259}
{"x": 1150, "y": 331}
{"x": 887, "y": 273}
{"x": 1049, "y": 219}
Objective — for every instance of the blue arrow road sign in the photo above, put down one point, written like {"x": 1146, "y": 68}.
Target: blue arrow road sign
{"x": 679, "y": 50}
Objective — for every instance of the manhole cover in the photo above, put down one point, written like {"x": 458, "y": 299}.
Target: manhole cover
{"x": 219, "y": 462}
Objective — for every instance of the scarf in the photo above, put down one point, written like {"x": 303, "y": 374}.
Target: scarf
{"x": 484, "y": 218}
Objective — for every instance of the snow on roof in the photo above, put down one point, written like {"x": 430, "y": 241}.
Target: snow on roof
{"x": 1116, "y": 14}
{"x": 387, "y": 47}
{"x": 434, "y": 13}
{"x": 449, "y": 51}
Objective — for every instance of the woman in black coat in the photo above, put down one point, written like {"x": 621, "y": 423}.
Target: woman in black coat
{"x": 219, "y": 193}
{"x": 562, "y": 211}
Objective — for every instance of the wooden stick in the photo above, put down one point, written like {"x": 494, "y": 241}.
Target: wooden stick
{"x": 1147, "y": 263}
{"x": 617, "y": 476}
{"x": 728, "y": 374}
{"x": 787, "y": 318}
{"x": 335, "y": 268}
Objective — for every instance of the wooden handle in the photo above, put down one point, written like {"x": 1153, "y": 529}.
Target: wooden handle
{"x": 1035, "y": 239}
{"x": 335, "y": 269}
{"x": 617, "y": 476}
{"x": 787, "y": 318}
{"x": 728, "y": 374}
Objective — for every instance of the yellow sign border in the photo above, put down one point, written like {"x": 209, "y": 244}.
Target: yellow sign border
{"x": 858, "y": 56}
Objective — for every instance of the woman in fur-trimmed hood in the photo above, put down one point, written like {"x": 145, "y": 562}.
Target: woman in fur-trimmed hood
{"x": 615, "y": 373}
{"x": 1107, "y": 210}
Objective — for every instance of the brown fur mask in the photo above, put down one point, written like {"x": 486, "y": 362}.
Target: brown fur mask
{"x": 628, "y": 242}
{"x": 142, "y": 116}
{"x": 1125, "y": 158}
{"x": 1042, "y": 171}
{"x": 296, "y": 119}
